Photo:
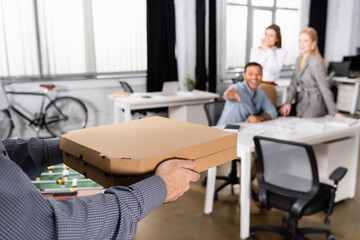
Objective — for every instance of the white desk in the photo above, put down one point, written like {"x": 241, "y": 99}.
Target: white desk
{"x": 185, "y": 106}
{"x": 348, "y": 94}
{"x": 335, "y": 146}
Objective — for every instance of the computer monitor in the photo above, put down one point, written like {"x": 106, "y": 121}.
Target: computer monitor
{"x": 354, "y": 62}
{"x": 170, "y": 88}
{"x": 354, "y": 71}
{"x": 341, "y": 69}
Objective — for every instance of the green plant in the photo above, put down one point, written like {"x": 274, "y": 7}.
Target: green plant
{"x": 189, "y": 80}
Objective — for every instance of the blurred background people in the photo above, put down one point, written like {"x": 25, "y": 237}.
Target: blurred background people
{"x": 271, "y": 57}
{"x": 315, "y": 98}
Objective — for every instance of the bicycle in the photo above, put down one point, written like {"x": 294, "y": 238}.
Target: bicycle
{"x": 60, "y": 115}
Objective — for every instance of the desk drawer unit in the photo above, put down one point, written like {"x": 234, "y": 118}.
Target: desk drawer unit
{"x": 331, "y": 155}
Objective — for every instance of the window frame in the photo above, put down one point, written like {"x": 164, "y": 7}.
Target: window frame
{"x": 90, "y": 59}
{"x": 227, "y": 73}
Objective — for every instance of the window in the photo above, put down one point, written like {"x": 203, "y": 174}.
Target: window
{"x": 18, "y": 46}
{"x": 72, "y": 37}
{"x": 120, "y": 35}
{"x": 62, "y": 39}
{"x": 246, "y": 21}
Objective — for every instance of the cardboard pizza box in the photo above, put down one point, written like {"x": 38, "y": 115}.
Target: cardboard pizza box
{"x": 137, "y": 147}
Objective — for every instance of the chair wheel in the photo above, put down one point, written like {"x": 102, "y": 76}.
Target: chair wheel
{"x": 331, "y": 237}
{"x": 252, "y": 235}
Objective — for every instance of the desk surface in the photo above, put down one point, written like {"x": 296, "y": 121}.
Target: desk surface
{"x": 136, "y": 99}
{"x": 330, "y": 131}
{"x": 184, "y": 106}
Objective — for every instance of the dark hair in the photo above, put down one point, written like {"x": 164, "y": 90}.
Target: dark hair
{"x": 252, "y": 64}
{"x": 276, "y": 28}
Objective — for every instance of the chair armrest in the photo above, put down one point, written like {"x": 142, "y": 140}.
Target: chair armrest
{"x": 263, "y": 199}
{"x": 338, "y": 174}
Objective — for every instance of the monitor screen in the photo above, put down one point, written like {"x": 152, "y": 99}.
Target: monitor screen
{"x": 354, "y": 62}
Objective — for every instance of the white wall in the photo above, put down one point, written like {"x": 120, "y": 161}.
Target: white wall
{"x": 342, "y": 29}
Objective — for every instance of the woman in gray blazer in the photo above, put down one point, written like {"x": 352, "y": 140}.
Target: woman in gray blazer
{"x": 315, "y": 98}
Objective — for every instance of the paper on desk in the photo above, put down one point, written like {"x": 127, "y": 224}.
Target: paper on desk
{"x": 302, "y": 125}
{"x": 308, "y": 126}
{"x": 342, "y": 121}
{"x": 262, "y": 128}
{"x": 286, "y": 127}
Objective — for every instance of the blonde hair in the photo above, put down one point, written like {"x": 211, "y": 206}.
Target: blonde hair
{"x": 311, "y": 32}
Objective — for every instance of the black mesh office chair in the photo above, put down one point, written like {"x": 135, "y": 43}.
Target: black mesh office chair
{"x": 288, "y": 181}
{"x": 213, "y": 112}
{"x": 126, "y": 87}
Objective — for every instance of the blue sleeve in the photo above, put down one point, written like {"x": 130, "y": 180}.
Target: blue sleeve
{"x": 34, "y": 155}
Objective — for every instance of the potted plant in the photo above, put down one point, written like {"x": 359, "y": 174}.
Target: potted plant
{"x": 190, "y": 83}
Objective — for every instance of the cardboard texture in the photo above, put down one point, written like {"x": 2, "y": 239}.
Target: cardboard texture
{"x": 135, "y": 148}
{"x": 104, "y": 179}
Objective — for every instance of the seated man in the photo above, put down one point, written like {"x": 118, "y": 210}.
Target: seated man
{"x": 254, "y": 106}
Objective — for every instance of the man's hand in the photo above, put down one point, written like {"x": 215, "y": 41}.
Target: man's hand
{"x": 232, "y": 95}
{"x": 177, "y": 175}
{"x": 253, "y": 119}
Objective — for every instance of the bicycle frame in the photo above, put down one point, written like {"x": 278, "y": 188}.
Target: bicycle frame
{"x": 37, "y": 121}
{"x": 56, "y": 115}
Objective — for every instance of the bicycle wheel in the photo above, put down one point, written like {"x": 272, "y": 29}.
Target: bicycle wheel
{"x": 6, "y": 125}
{"x": 64, "y": 114}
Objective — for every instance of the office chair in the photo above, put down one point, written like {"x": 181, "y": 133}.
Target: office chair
{"x": 270, "y": 92}
{"x": 213, "y": 112}
{"x": 288, "y": 181}
{"x": 127, "y": 88}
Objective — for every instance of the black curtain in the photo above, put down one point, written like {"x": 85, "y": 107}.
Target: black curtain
{"x": 212, "y": 46}
{"x": 200, "y": 69}
{"x": 162, "y": 64}
{"x": 318, "y": 10}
